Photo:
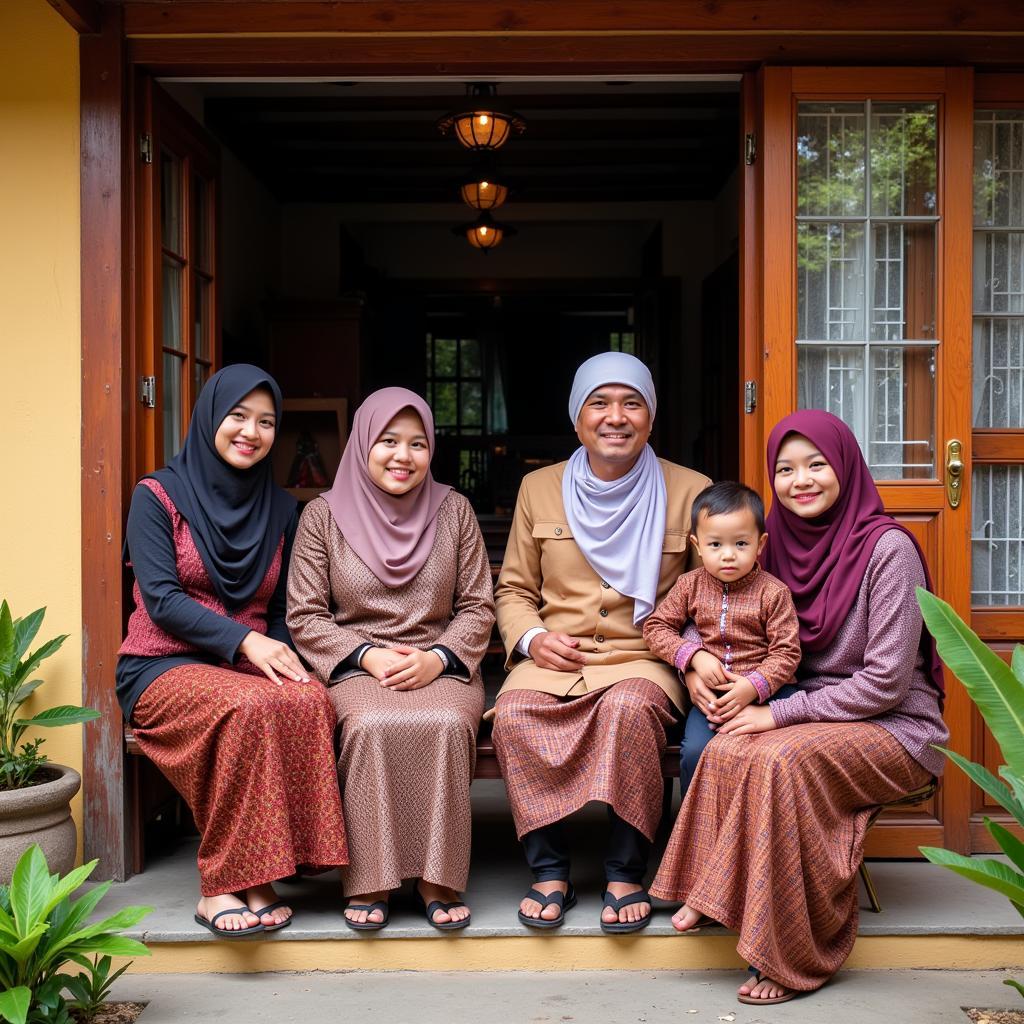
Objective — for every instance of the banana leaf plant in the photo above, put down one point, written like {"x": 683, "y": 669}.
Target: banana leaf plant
{"x": 997, "y": 690}
{"x": 42, "y": 929}
{"x": 21, "y": 768}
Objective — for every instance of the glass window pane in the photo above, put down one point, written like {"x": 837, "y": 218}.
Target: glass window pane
{"x": 172, "y": 388}
{"x": 997, "y": 537}
{"x": 998, "y": 382}
{"x": 200, "y": 226}
{"x": 904, "y": 159}
{"x": 170, "y": 201}
{"x": 472, "y": 406}
{"x": 171, "y": 300}
{"x": 999, "y": 168}
{"x": 201, "y": 314}
{"x": 832, "y": 378}
{"x": 903, "y": 283}
{"x": 901, "y": 439}
{"x": 202, "y": 374}
{"x": 830, "y": 159}
{"x": 470, "y": 356}
{"x": 445, "y": 350}
{"x": 999, "y": 272}
{"x": 444, "y": 406}
{"x": 830, "y": 282}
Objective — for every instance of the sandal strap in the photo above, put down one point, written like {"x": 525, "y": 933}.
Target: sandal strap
{"x": 557, "y": 897}
{"x": 435, "y": 905}
{"x": 381, "y": 905}
{"x": 237, "y": 911}
{"x": 267, "y": 910}
{"x": 617, "y": 903}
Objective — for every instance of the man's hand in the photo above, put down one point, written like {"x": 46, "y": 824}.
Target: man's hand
{"x": 557, "y": 651}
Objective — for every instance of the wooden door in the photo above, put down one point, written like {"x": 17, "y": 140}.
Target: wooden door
{"x": 997, "y": 413}
{"x": 866, "y": 311}
{"x": 178, "y": 325}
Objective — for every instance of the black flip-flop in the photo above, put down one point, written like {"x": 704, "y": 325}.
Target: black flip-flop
{"x": 368, "y": 926}
{"x": 565, "y": 901}
{"x": 620, "y": 927}
{"x": 267, "y": 910}
{"x": 434, "y": 906}
{"x": 234, "y": 933}
{"x": 754, "y": 1001}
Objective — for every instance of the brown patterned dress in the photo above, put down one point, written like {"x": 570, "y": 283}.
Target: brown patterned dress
{"x": 406, "y": 758}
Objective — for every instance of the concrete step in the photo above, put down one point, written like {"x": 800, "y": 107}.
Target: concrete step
{"x": 931, "y": 918}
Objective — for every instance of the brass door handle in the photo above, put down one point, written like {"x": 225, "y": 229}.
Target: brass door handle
{"x": 954, "y": 472}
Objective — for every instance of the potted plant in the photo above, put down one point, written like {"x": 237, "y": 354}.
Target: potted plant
{"x": 42, "y": 930}
{"x": 35, "y": 795}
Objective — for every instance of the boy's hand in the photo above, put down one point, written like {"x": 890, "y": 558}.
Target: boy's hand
{"x": 710, "y": 669}
{"x": 733, "y": 696}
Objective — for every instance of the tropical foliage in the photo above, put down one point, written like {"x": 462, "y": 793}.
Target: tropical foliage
{"x": 42, "y": 930}
{"x": 998, "y": 691}
{"x": 20, "y": 768}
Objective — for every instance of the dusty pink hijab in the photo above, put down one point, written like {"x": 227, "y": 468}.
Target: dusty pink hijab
{"x": 823, "y": 560}
{"x": 393, "y": 535}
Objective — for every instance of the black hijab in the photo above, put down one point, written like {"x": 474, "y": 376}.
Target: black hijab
{"x": 236, "y": 516}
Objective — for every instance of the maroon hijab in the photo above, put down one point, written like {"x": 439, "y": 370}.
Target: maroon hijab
{"x": 823, "y": 560}
{"x": 392, "y": 534}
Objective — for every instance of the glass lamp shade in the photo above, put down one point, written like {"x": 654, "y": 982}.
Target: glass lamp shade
{"x": 482, "y": 129}
{"x": 485, "y": 233}
{"x": 482, "y": 193}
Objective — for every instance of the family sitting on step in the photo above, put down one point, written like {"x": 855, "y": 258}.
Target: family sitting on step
{"x": 311, "y": 684}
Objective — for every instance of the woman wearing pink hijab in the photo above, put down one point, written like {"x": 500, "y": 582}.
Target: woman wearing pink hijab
{"x": 771, "y": 834}
{"x": 390, "y": 599}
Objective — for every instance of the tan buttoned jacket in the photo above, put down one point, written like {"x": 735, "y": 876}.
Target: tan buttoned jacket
{"x": 545, "y": 581}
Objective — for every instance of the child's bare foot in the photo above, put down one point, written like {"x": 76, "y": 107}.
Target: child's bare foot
{"x": 209, "y": 906}
{"x": 686, "y": 918}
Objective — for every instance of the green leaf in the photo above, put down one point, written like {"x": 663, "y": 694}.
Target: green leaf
{"x": 63, "y": 714}
{"x": 993, "y": 874}
{"x": 1014, "y": 984}
{"x": 985, "y": 780}
{"x": 65, "y": 886}
{"x": 8, "y": 661}
{"x": 1008, "y": 842}
{"x": 25, "y": 630}
{"x": 26, "y": 667}
{"x": 26, "y": 946}
{"x": 27, "y": 689}
{"x": 14, "y": 1002}
{"x": 30, "y": 889}
{"x": 991, "y": 683}
{"x": 117, "y": 945}
{"x": 67, "y": 916}
{"x": 1016, "y": 781}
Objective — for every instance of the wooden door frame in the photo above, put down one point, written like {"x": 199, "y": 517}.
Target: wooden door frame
{"x": 648, "y": 37}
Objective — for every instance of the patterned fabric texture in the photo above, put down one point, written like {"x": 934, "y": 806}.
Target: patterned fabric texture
{"x": 558, "y": 753}
{"x": 406, "y": 762}
{"x": 770, "y": 837}
{"x": 146, "y": 638}
{"x": 253, "y": 761}
{"x": 406, "y": 758}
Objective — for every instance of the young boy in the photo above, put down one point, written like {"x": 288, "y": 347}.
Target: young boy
{"x": 749, "y": 645}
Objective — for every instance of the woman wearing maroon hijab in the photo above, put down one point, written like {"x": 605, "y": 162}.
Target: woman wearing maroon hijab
{"x": 390, "y": 599}
{"x": 770, "y": 837}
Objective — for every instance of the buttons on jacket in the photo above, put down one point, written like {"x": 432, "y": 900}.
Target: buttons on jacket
{"x": 606, "y": 584}
{"x": 558, "y": 531}
{"x": 604, "y": 612}
{"x": 599, "y": 638}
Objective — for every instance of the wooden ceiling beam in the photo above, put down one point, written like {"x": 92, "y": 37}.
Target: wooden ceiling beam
{"x": 435, "y": 17}
{"x": 84, "y": 16}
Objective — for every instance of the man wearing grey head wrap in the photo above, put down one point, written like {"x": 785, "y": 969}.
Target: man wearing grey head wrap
{"x": 596, "y": 542}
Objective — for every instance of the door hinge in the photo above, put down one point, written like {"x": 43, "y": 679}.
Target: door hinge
{"x": 749, "y": 148}
{"x": 147, "y": 392}
{"x": 146, "y": 148}
{"x": 749, "y": 395}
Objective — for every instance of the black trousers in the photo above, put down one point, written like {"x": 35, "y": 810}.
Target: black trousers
{"x": 626, "y": 856}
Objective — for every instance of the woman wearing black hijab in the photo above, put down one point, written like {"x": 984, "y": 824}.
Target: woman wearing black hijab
{"x": 207, "y": 676}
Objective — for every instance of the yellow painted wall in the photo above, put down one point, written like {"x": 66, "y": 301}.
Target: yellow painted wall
{"x": 40, "y": 350}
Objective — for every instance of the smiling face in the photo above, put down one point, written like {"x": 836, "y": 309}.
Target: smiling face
{"x": 805, "y": 482}
{"x": 247, "y": 433}
{"x": 613, "y": 426}
{"x": 400, "y": 457}
{"x": 729, "y": 543}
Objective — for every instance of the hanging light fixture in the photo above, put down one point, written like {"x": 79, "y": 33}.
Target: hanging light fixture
{"x": 485, "y": 233}
{"x": 486, "y": 126}
{"x": 483, "y": 190}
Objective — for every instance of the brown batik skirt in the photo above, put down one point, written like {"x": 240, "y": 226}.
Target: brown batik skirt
{"x": 405, "y": 764}
{"x": 770, "y": 838}
{"x": 254, "y": 762}
{"x": 558, "y": 753}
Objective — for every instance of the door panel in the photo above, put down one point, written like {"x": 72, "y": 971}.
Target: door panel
{"x": 866, "y": 309}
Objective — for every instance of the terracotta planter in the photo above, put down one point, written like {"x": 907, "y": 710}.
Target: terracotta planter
{"x": 40, "y": 814}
